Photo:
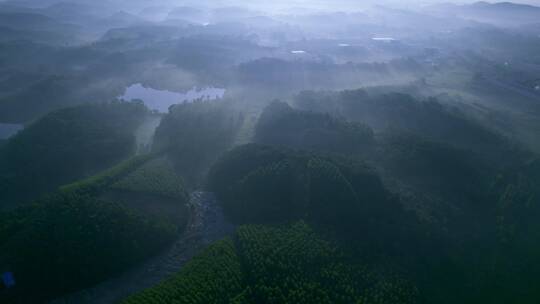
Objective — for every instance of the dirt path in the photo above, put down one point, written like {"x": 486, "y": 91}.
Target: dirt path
{"x": 205, "y": 226}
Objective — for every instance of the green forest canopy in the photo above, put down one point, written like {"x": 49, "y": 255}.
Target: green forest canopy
{"x": 67, "y": 145}
{"x": 293, "y": 264}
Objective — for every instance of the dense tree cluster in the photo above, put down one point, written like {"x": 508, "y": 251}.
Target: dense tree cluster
{"x": 282, "y": 125}
{"x": 67, "y": 241}
{"x": 195, "y": 134}
{"x": 436, "y": 168}
{"x": 157, "y": 177}
{"x": 65, "y": 146}
{"x": 291, "y": 264}
{"x": 426, "y": 118}
{"x": 46, "y": 245}
{"x": 214, "y": 276}
{"x": 475, "y": 203}
{"x": 262, "y": 184}
{"x": 517, "y": 234}
{"x": 442, "y": 160}
{"x": 96, "y": 184}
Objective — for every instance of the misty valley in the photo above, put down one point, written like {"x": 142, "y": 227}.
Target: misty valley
{"x": 269, "y": 152}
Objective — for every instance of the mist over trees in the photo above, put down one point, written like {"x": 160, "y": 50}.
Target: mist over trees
{"x": 302, "y": 151}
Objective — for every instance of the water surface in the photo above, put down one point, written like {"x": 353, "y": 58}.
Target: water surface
{"x": 384, "y": 39}
{"x": 161, "y": 100}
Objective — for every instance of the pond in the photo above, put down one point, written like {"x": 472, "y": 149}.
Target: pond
{"x": 383, "y": 39}
{"x": 161, "y": 100}
{"x": 8, "y": 130}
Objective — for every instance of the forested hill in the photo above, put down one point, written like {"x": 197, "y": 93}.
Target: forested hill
{"x": 66, "y": 145}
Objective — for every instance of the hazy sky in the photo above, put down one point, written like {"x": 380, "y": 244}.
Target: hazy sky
{"x": 399, "y": 2}
{"x": 298, "y": 2}
{"x": 268, "y": 5}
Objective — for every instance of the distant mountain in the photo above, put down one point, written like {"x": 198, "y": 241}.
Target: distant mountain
{"x": 504, "y": 8}
{"x": 142, "y": 35}
{"x": 154, "y": 13}
{"x": 73, "y": 12}
{"x": 32, "y": 21}
{"x": 8, "y": 34}
{"x": 121, "y": 19}
{"x": 501, "y": 13}
{"x": 233, "y": 14}
{"x": 190, "y": 14}
{"x": 483, "y": 5}
{"x": 48, "y": 3}
{"x": 61, "y": 12}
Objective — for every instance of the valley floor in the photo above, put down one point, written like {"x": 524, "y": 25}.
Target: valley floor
{"x": 205, "y": 226}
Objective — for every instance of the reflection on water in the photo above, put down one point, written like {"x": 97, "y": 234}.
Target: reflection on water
{"x": 8, "y": 130}
{"x": 384, "y": 39}
{"x": 162, "y": 100}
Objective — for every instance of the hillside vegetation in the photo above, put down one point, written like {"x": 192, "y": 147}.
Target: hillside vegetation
{"x": 46, "y": 244}
{"x": 290, "y": 264}
{"x": 66, "y": 145}
{"x": 193, "y": 135}
{"x": 414, "y": 192}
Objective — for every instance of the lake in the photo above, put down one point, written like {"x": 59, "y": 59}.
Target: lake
{"x": 161, "y": 100}
{"x": 8, "y": 130}
{"x": 383, "y": 39}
